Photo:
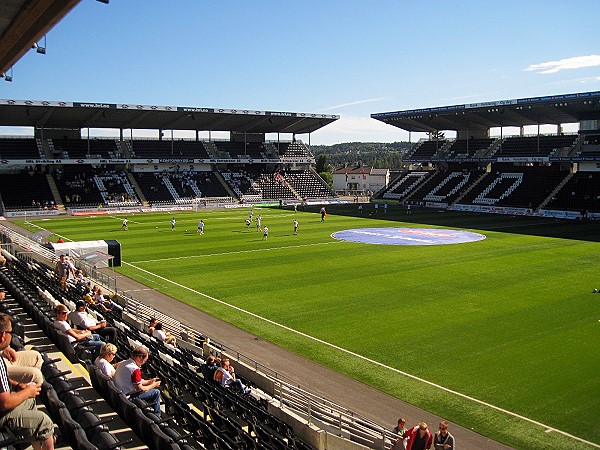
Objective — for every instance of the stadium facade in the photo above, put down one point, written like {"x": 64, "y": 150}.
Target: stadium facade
{"x": 556, "y": 175}
{"x": 76, "y": 173}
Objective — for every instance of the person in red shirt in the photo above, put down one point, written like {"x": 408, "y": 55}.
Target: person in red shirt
{"x": 419, "y": 437}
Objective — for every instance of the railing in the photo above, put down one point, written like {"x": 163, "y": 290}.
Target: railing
{"x": 332, "y": 417}
{"x": 28, "y": 245}
{"x": 311, "y": 407}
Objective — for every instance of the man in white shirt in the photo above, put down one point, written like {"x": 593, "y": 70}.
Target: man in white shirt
{"x": 84, "y": 338}
{"x": 84, "y": 321}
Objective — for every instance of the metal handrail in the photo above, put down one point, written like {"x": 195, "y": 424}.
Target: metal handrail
{"x": 310, "y": 406}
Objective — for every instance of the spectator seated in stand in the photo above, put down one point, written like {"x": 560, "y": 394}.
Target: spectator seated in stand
{"x": 17, "y": 407}
{"x": 209, "y": 368}
{"x": 78, "y": 338}
{"x": 105, "y": 360}
{"x": 84, "y": 321}
{"x": 128, "y": 378}
{"x": 152, "y": 323}
{"x": 225, "y": 376}
{"x": 103, "y": 301}
{"x": 23, "y": 366}
{"x": 164, "y": 336}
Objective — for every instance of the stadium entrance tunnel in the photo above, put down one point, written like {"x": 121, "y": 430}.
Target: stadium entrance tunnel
{"x": 407, "y": 236}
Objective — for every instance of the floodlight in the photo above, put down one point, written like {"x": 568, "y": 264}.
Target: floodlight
{"x": 41, "y": 49}
{"x": 6, "y": 76}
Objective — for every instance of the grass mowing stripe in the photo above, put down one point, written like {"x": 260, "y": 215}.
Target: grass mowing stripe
{"x": 233, "y": 253}
{"x": 509, "y": 320}
{"x": 547, "y": 428}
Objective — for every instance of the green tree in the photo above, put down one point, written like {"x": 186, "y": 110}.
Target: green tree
{"x": 381, "y": 155}
{"x": 323, "y": 164}
{"x": 327, "y": 177}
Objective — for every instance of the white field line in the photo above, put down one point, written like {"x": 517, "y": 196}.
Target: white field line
{"x": 43, "y": 229}
{"x": 547, "y": 428}
{"x": 234, "y": 253}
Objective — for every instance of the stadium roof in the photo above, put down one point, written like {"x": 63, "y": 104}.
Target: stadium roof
{"x": 24, "y": 22}
{"x": 74, "y": 115}
{"x": 556, "y": 109}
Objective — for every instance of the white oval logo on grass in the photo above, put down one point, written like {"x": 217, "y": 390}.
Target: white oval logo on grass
{"x": 407, "y": 236}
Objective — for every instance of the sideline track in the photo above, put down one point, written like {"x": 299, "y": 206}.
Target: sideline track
{"x": 547, "y": 428}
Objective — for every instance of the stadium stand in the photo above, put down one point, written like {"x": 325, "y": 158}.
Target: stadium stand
{"x": 85, "y": 186}
{"x": 197, "y": 413}
{"x": 442, "y": 186}
{"x": 179, "y": 187}
{"x": 403, "y": 185}
{"x": 26, "y": 191}
{"x": 538, "y": 174}
{"x": 80, "y": 149}
{"x": 581, "y": 192}
{"x": 541, "y": 145}
{"x": 274, "y": 187}
{"x": 214, "y": 421}
{"x": 308, "y": 185}
{"x": 525, "y": 188}
{"x": 76, "y": 186}
{"x": 242, "y": 183}
{"x": 294, "y": 149}
{"x": 20, "y": 148}
{"x": 241, "y": 150}
{"x": 164, "y": 148}
{"x": 176, "y": 172}
{"x": 465, "y": 148}
{"x": 426, "y": 150}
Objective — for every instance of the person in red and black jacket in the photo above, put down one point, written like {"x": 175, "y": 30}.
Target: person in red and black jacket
{"x": 419, "y": 437}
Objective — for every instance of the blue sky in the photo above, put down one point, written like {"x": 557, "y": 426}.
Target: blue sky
{"x": 351, "y": 57}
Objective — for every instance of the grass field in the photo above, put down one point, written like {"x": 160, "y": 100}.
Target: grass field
{"x": 510, "y": 320}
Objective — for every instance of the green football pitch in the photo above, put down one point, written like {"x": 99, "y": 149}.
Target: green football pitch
{"x": 499, "y": 335}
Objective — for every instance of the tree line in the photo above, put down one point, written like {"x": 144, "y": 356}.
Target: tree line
{"x": 381, "y": 155}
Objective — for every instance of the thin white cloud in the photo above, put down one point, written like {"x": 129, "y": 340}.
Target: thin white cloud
{"x": 357, "y": 129}
{"x": 577, "y": 62}
{"x": 592, "y": 79}
{"x": 358, "y": 102}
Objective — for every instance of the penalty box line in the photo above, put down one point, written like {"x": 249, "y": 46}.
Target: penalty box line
{"x": 547, "y": 428}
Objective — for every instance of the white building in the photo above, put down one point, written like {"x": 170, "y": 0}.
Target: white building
{"x": 360, "y": 180}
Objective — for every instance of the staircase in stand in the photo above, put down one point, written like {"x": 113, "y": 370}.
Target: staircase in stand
{"x": 171, "y": 188}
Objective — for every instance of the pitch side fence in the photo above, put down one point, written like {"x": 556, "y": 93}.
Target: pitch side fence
{"x": 287, "y": 395}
